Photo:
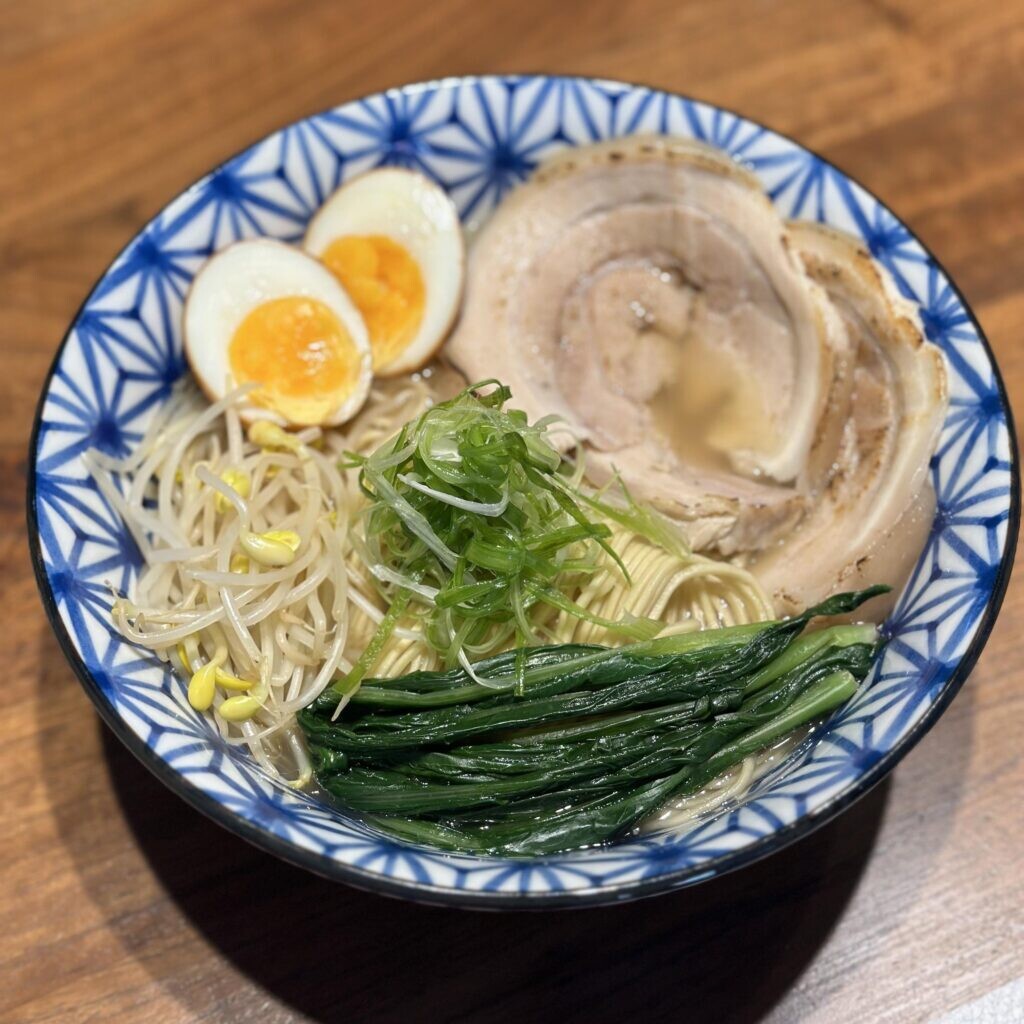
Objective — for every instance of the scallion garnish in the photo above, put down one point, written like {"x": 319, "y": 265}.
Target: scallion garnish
{"x": 479, "y": 508}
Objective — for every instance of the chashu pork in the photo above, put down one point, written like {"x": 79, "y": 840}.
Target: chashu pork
{"x": 873, "y": 518}
{"x": 762, "y": 382}
{"x": 645, "y": 291}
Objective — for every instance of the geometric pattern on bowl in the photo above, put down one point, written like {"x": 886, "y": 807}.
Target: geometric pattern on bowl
{"x": 478, "y": 137}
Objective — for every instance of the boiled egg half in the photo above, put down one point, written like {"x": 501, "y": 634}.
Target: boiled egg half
{"x": 266, "y": 313}
{"x": 392, "y": 238}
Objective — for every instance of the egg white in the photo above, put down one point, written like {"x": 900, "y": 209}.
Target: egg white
{"x": 413, "y": 211}
{"x": 232, "y": 283}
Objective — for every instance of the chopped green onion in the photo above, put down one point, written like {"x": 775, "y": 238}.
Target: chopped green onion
{"x": 475, "y": 505}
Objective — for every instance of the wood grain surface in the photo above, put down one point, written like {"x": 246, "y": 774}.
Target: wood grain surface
{"x": 117, "y": 902}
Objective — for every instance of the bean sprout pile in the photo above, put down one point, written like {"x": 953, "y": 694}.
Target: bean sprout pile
{"x": 249, "y": 589}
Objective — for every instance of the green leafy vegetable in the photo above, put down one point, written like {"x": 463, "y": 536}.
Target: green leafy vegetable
{"x": 569, "y": 744}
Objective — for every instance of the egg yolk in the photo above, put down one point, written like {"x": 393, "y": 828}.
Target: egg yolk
{"x": 300, "y": 354}
{"x": 386, "y": 285}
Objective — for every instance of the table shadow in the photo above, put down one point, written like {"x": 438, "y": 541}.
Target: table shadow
{"x": 727, "y": 950}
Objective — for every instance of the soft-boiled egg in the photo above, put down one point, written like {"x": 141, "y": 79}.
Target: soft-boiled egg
{"x": 392, "y": 238}
{"x": 266, "y": 313}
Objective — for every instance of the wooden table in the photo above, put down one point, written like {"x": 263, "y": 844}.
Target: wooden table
{"x": 117, "y": 902}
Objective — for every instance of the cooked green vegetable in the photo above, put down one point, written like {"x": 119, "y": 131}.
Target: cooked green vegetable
{"x": 473, "y": 520}
{"x": 586, "y": 768}
{"x": 589, "y": 741}
{"x": 594, "y": 821}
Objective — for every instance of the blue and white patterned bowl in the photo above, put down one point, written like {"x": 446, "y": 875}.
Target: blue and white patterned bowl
{"x": 478, "y": 137}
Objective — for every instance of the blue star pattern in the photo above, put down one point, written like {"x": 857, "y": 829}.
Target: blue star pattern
{"x": 479, "y": 138}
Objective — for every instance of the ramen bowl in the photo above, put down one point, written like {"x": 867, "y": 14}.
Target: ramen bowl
{"x": 478, "y": 137}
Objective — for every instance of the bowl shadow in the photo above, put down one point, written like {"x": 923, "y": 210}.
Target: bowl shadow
{"x": 338, "y": 952}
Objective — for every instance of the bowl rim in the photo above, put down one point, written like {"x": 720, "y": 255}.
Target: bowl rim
{"x": 584, "y": 896}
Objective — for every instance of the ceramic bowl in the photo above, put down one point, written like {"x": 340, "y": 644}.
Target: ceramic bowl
{"x": 479, "y": 137}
